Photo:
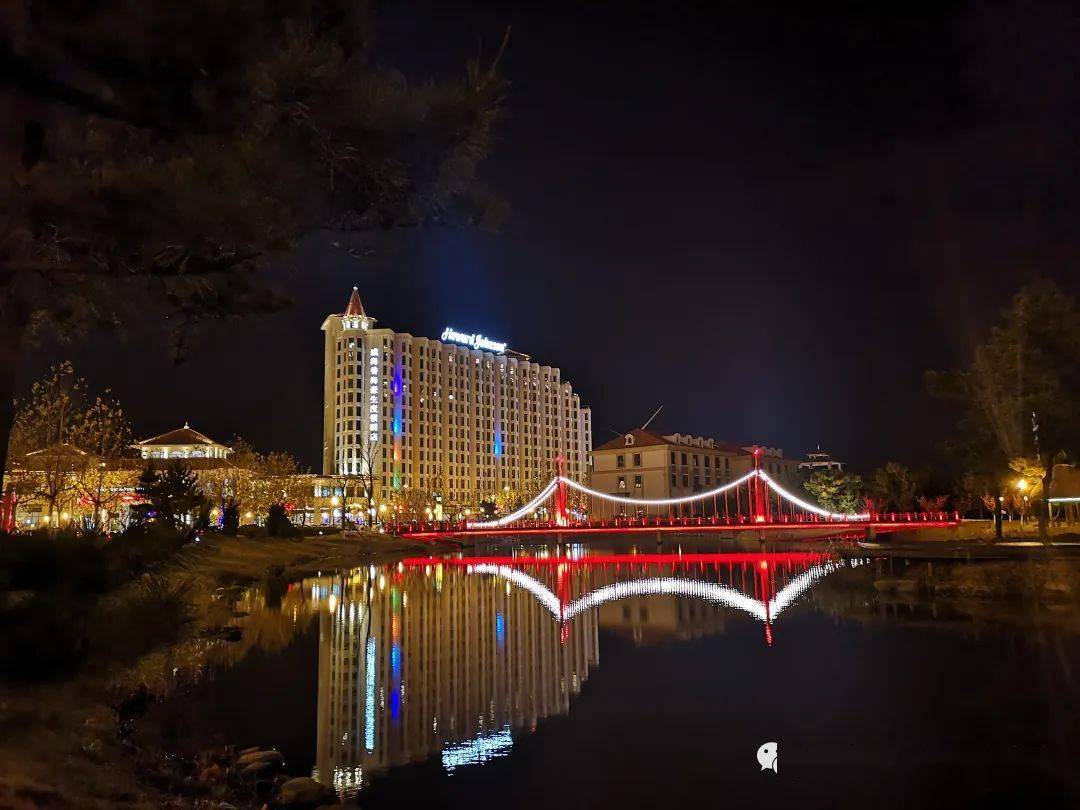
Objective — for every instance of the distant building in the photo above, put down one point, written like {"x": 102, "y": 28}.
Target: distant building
{"x": 462, "y": 416}
{"x": 642, "y": 464}
{"x": 196, "y": 449}
{"x": 820, "y": 461}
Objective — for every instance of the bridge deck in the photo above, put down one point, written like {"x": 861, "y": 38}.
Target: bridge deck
{"x": 687, "y": 527}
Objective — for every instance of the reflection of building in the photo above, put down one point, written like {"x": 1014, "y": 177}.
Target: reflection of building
{"x": 460, "y": 416}
{"x": 454, "y": 657}
{"x": 642, "y": 464}
{"x": 428, "y": 660}
{"x": 654, "y": 619}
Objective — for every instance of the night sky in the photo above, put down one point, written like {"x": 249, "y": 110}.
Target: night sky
{"x": 768, "y": 221}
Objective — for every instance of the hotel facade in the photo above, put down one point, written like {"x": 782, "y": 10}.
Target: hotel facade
{"x": 462, "y": 416}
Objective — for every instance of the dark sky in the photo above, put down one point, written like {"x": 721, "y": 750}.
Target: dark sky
{"x": 771, "y": 222}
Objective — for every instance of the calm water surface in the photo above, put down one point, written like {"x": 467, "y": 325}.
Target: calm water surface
{"x": 556, "y": 676}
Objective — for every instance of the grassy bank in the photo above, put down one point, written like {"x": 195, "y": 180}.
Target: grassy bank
{"x": 65, "y": 736}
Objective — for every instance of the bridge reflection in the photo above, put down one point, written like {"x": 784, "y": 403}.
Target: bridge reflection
{"x": 452, "y": 656}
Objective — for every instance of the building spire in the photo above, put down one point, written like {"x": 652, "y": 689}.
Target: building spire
{"x": 355, "y": 307}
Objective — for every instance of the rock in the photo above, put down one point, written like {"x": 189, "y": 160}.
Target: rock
{"x": 251, "y": 750}
{"x": 896, "y": 585}
{"x": 260, "y": 756}
{"x": 303, "y": 791}
{"x": 257, "y": 769}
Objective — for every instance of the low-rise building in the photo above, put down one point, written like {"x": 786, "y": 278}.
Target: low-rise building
{"x": 196, "y": 449}
{"x": 820, "y": 461}
{"x": 642, "y": 464}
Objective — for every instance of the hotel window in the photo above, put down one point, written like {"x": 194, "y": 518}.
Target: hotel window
{"x": 637, "y": 482}
{"x": 637, "y": 459}
{"x": 622, "y": 482}
{"x": 620, "y": 461}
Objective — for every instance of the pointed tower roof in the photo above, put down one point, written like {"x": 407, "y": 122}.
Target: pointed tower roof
{"x": 355, "y": 307}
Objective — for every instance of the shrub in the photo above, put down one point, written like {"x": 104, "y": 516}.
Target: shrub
{"x": 43, "y": 562}
{"x": 230, "y": 519}
{"x": 143, "y": 546}
{"x": 278, "y": 523}
{"x": 157, "y": 612}
{"x": 43, "y": 637}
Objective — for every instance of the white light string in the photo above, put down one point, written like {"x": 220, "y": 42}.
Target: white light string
{"x": 517, "y": 513}
{"x": 658, "y": 501}
{"x": 686, "y": 588}
{"x": 817, "y": 510}
{"x": 775, "y": 487}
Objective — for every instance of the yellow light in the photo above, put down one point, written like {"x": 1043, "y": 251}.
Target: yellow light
{"x": 64, "y": 516}
{"x": 249, "y": 515}
{"x": 468, "y": 512}
{"x": 335, "y": 501}
{"x": 1021, "y": 484}
{"x": 45, "y": 518}
{"x": 382, "y": 507}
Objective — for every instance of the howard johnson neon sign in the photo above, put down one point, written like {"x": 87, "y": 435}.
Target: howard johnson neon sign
{"x": 473, "y": 341}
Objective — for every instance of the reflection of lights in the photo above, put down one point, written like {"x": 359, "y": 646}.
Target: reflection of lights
{"x": 478, "y": 751}
{"x": 369, "y": 695}
{"x": 687, "y": 588}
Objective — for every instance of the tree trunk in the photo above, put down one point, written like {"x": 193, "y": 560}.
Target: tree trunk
{"x": 12, "y": 329}
{"x": 1044, "y": 504}
{"x": 997, "y": 521}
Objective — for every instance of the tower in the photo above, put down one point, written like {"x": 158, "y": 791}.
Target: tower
{"x": 351, "y": 389}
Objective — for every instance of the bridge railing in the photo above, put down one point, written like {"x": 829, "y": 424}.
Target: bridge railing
{"x": 688, "y": 521}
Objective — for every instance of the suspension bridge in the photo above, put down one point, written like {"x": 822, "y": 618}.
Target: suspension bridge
{"x": 754, "y": 502}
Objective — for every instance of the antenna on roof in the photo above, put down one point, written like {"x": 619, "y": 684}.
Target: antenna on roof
{"x": 652, "y": 417}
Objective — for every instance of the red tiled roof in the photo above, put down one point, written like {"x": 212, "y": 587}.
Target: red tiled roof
{"x": 642, "y": 438}
{"x": 355, "y": 307}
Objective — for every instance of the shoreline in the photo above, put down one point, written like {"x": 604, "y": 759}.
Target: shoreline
{"x": 64, "y": 743}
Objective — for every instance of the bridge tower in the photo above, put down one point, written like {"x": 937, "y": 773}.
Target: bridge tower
{"x": 561, "y": 518}
{"x": 759, "y": 492}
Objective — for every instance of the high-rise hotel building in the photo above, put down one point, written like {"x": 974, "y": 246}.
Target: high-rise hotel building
{"x": 462, "y": 416}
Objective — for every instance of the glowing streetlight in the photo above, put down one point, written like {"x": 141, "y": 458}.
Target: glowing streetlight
{"x": 1021, "y": 484}
{"x": 334, "y": 501}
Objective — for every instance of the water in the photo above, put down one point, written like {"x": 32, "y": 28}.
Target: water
{"x": 572, "y": 677}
